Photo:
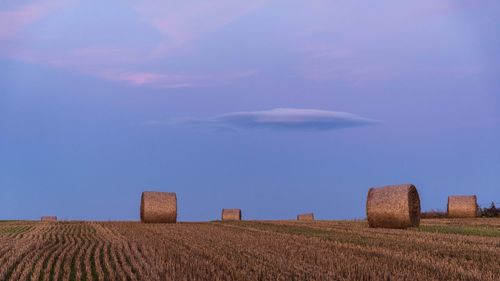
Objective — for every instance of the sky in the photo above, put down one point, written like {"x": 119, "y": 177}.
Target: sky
{"x": 275, "y": 107}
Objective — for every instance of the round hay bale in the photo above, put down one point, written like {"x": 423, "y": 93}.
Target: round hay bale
{"x": 48, "y": 219}
{"x": 305, "y": 217}
{"x": 462, "y": 206}
{"x": 231, "y": 214}
{"x": 395, "y": 206}
{"x": 158, "y": 207}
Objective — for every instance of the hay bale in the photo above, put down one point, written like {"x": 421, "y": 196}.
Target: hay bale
{"x": 395, "y": 206}
{"x": 305, "y": 217}
{"x": 231, "y": 214}
{"x": 48, "y": 219}
{"x": 462, "y": 206}
{"x": 158, "y": 207}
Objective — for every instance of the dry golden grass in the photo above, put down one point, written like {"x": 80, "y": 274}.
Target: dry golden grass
{"x": 441, "y": 249}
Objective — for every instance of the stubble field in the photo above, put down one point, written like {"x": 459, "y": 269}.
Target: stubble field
{"x": 250, "y": 250}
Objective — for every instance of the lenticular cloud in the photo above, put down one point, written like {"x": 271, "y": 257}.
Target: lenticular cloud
{"x": 285, "y": 119}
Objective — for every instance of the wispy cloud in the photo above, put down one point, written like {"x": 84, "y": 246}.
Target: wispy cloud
{"x": 181, "y": 23}
{"x": 168, "y": 48}
{"x": 171, "y": 80}
{"x": 161, "y": 80}
{"x": 343, "y": 50}
{"x": 284, "y": 119}
{"x": 14, "y": 20}
{"x": 145, "y": 63}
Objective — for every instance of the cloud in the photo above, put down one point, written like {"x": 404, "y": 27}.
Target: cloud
{"x": 161, "y": 80}
{"x": 333, "y": 47}
{"x": 284, "y": 119}
{"x": 15, "y": 20}
{"x": 171, "y": 80}
{"x": 149, "y": 62}
{"x": 181, "y": 23}
{"x": 122, "y": 65}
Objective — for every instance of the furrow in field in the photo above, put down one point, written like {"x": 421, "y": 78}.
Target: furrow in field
{"x": 57, "y": 266}
{"x": 131, "y": 258}
{"x": 86, "y": 262}
{"x": 51, "y": 265}
{"x": 248, "y": 250}
{"x": 411, "y": 258}
{"x": 111, "y": 260}
{"x": 64, "y": 262}
{"x": 97, "y": 260}
{"x": 40, "y": 261}
{"x": 22, "y": 251}
{"x": 69, "y": 267}
{"x": 288, "y": 255}
{"x": 76, "y": 268}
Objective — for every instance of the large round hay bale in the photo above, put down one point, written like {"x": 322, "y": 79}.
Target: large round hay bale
{"x": 48, "y": 219}
{"x": 231, "y": 214}
{"x": 158, "y": 207}
{"x": 395, "y": 206}
{"x": 305, "y": 217}
{"x": 462, "y": 206}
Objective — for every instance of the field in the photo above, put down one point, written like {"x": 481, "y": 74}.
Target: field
{"x": 250, "y": 250}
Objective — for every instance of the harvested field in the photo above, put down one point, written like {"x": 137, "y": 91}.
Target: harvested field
{"x": 441, "y": 249}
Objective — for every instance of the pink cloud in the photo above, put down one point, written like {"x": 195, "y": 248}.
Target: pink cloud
{"x": 171, "y": 80}
{"x": 161, "y": 80}
{"x": 15, "y": 20}
{"x": 120, "y": 65}
{"x": 179, "y": 25}
{"x": 183, "y": 22}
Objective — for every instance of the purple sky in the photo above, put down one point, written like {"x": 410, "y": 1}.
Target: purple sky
{"x": 275, "y": 107}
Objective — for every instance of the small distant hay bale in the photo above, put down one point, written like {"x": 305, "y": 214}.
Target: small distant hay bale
{"x": 231, "y": 214}
{"x": 462, "y": 206}
{"x": 395, "y": 206}
{"x": 48, "y": 219}
{"x": 158, "y": 207}
{"x": 305, "y": 217}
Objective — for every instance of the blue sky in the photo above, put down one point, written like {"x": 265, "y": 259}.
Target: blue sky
{"x": 275, "y": 107}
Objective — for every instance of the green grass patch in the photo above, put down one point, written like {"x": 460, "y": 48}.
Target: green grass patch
{"x": 13, "y": 230}
{"x": 462, "y": 230}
